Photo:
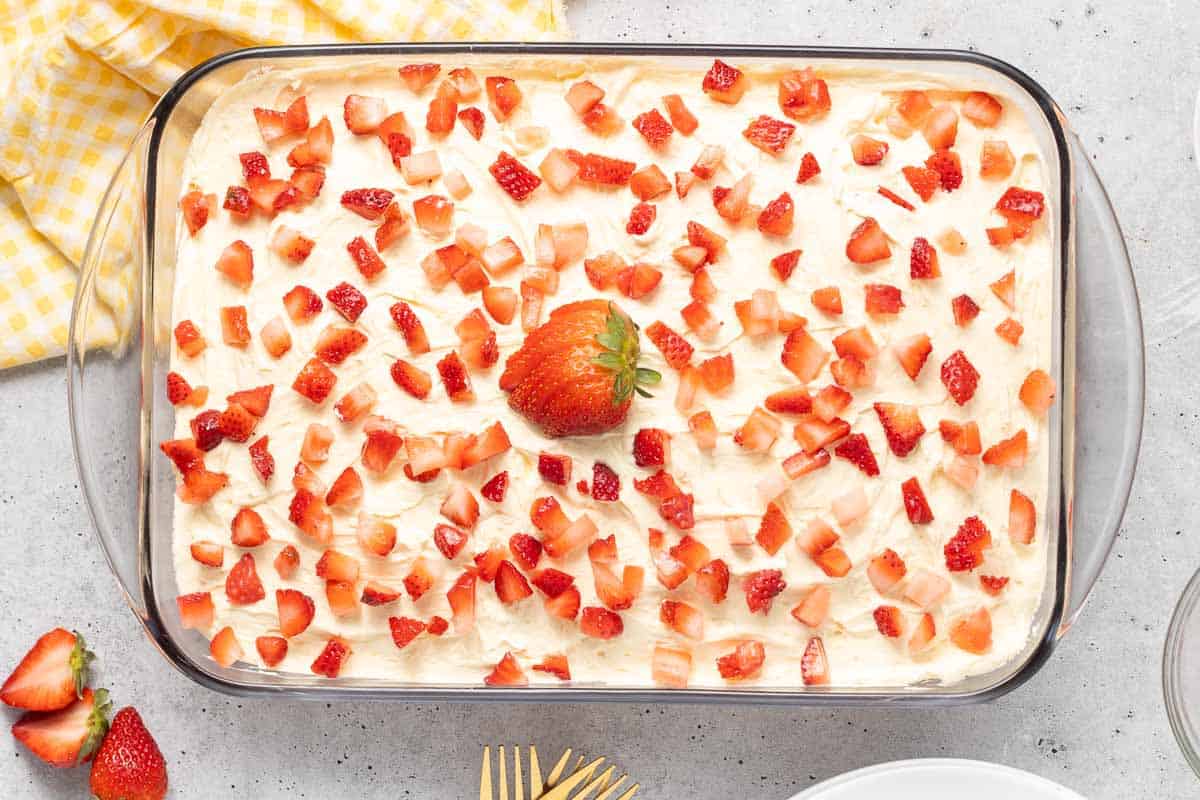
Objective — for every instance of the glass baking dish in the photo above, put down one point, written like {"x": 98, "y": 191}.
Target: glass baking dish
{"x": 118, "y": 413}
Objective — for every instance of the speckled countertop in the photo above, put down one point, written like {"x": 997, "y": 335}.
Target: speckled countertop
{"x": 1091, "y": 719}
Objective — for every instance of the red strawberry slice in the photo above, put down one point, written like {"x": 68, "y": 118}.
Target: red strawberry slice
{"x": 828, "y": 299}
{"x": 196, "y": 610}
{"x": 915, "y": 504}
{"x": 555, "y": 469}
{"x": 868, "y": 243}
{"x": 923, "y": 180}
{"x": 912, "y": 353}
{"x": 507, "y": 672}
{"x": 248, "y": 528}
{"x": 948, "y": 166}
{"x": 417, "y": 76}
{"x": 777, "y": 218}
{"x": 296, "y": 611}
{"x": 511, "y": 585}
{"x": 331, "y": 658}
{"x": 923, "y": 260}
{"x": 959, "y": 377}
{"x": 640, "y": 219}
{"x": 514, "y": 177}
{"x": 802, "y": 95}
{"x": 1010, "y": 452}
{"x": 773, "y": 531}
{"x": 867, "y": 152}
{"x": 594, "y": 168}
{"x": 902, "y": 426}
{"x": 889, "y": 621}
{"x": 857, "y": 450}
{"x": 682, "y": 118}
{"x": 365, "y": 258}
{"x": 886, "y": 570}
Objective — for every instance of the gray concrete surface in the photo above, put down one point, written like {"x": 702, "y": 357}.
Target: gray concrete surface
{"x": 1092, "y": 719}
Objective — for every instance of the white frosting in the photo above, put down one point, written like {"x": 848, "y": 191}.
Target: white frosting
{"x": 724, "y": 481}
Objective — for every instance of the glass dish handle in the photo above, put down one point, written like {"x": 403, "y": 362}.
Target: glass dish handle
{"x": 1109, "y": 391}
{"x": 105, "y": 372}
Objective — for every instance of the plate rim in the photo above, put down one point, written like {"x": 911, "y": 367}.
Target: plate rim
{"x": 846, "y": 778}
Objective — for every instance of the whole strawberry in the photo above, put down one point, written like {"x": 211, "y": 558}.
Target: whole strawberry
{"x": 128, "y": 765}
{"x": 577, "y": 372}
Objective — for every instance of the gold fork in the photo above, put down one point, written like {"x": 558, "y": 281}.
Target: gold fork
{"x": 578, "y": 783}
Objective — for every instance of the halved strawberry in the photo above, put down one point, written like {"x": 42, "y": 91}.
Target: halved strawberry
{"x": 51, "y": 675}
{"x": 959, "y": 377}
{"x": 868, "y": 243}
{"x": 195, "y": 610}
{"x": 744, "y": 662}
{"x": 724, "y": 83}
{"x": 802, "y": 95}
{"x": 600, "y": 623}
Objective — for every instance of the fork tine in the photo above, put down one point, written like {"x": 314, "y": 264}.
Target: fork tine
{"x": 485, "y": 775}
{"x": 632, "y": 791}
{"x": 595, "y": 784}
{"x": 611, "y": 790}
{"x": 557, "y": 772}
{"x": 536, "y": 788}
{"x": 503, "y": 774}
{"x": 518, "y": 789}
{"x": 562, "y": 791}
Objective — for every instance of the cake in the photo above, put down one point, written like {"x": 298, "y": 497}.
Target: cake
{"x": 613, "y": 371}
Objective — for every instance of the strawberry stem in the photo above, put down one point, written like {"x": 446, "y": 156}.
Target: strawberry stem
{"x": 622, "y": 349}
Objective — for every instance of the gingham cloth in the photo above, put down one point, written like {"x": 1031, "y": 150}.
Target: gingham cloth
{"x": 79, "y": 76}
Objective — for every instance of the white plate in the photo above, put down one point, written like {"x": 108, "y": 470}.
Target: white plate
{"x": 938, "y": 779}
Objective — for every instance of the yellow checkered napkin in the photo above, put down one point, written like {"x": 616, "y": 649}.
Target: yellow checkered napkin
{"x": 79, "y": 76}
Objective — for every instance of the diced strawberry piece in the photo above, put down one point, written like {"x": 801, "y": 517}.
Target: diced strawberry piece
{"x": 814, "y": 666}
{"x": 514, "y": 177}
{"x": 178, "y": 389}
{"x": 602, "y": 120}
{"x": 1037, "y": 392}
{"x": 982, "y": 109}
{"x": 761, "y": 587}
{"x": 744, "y": 662}
{"x": 335, "y": 344}
{"x": 882, "y": 298}
{"x": 349, "y": 302}
{"x": 941, "y": 127}
{"x": 462, "y": 602}
{"x": 809, "y": 168}
{"x": 925, "y": 589}
{"x": 296, "y": 611}
{"x": 777, "y": 218}
{"x": 674, "y": 348}
{"x": 197, "y": 207}
{"x": 237, "y": 201}
{"x": 784, "y": 264}
{"x": 302, "y": 304}
{"x": 857, "y": 450}
{"x": 867, "y": 152}
{"x": 681, "y": 118}
{"x": 363, "y": 114}
{"x": 603, "y": 170}
{"x": 583, "y": 96}
{"x": 1018, "y": 203}
{"x": 774, "y": 529}
{"x": 868, "y": 243}
{"x": 507, "y": 672}
{"x": 758, "y": 432}
{"x": 813, "y": 609}
{"x": 638, "y": 280}
{"x": 833, "y": 561}
{"x": 195, "y": 610}
{"x": 682, "y": 618}
{"x": 670, "y": 666}
{"x": 1010, "y": 452}
{"x": 973, "y": 632}
{"x": 886, "y": 570}
{"x": 649, "y": 183}
{"x": 802, "y": 355}
{"x": 503, "y": 96}
{"x": 700, "y": 236}
{"x": 912, "y": 353}
{"x": 411, "y": 379}
{"x": 449, "y": 540}
{"x": 224, "y": 647}
{"x": 315, "y": 381}
{"x": 889, "y": 621}
{"x": 1010, "y": 330}
{"x": 242, "y": 584}
{"x": 964, "y": 309}
{"x": 923, "y": 180}
{"x": 417, "y": 76}
{"x": 733, "y": 203}
{"x": 405, "y": 630}
{"x": 558, "y": 170}
{"x": 254, "y": 167}
{"x": 902, "y": 426}
{"x": 271, "y": 124}
{"x": 511, "y": 585}
{"x": 554, "y": 469}
{"x": 210, "y": 554}
{"x": 329, "y": 661}
{"x": 307, "y": 514}
{"x": 410, "y": 327}
{"x": 992, "y": 584}
{"x": 803, "y": 96}
{"x": 828, "y": 299}
{"x": 923, "y": 260}
{"x": 433, "y": 214}
{"x": 443, "y": 108}
{"x": 460, "y": 506}
{"x": 996, "y": 161}
{"x": 1005, "y": 289}
{"x": 236, "y": 263}
{"x": 248, "y": 528}
{"x": 653, "y": 127}
{"x": 188, "y": 338}
{"x": 206, "y": 429}
{"x": 336, "y": 566}
{"x": 724, "y": 83}
{"x": 367, "y": 203}
{"x": 365, "y": 258}
{"x": 600, "y": 623}
{"x": 948, "y": 166}
{"x": 575, "y": 535}
{"x": 455, "y": 379}
{"x": 717, "y": 372}
{"x": 959, "y": 377}
{"x": 965, "y": 549}
{"x": 640, "y": 219}
{"x": 1022, "y": 518}
{"x": 237, "y": 423}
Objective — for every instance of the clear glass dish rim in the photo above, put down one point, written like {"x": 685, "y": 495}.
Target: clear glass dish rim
{"x": 1037, "y": 656}
{"x": 1186, "y": 735}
